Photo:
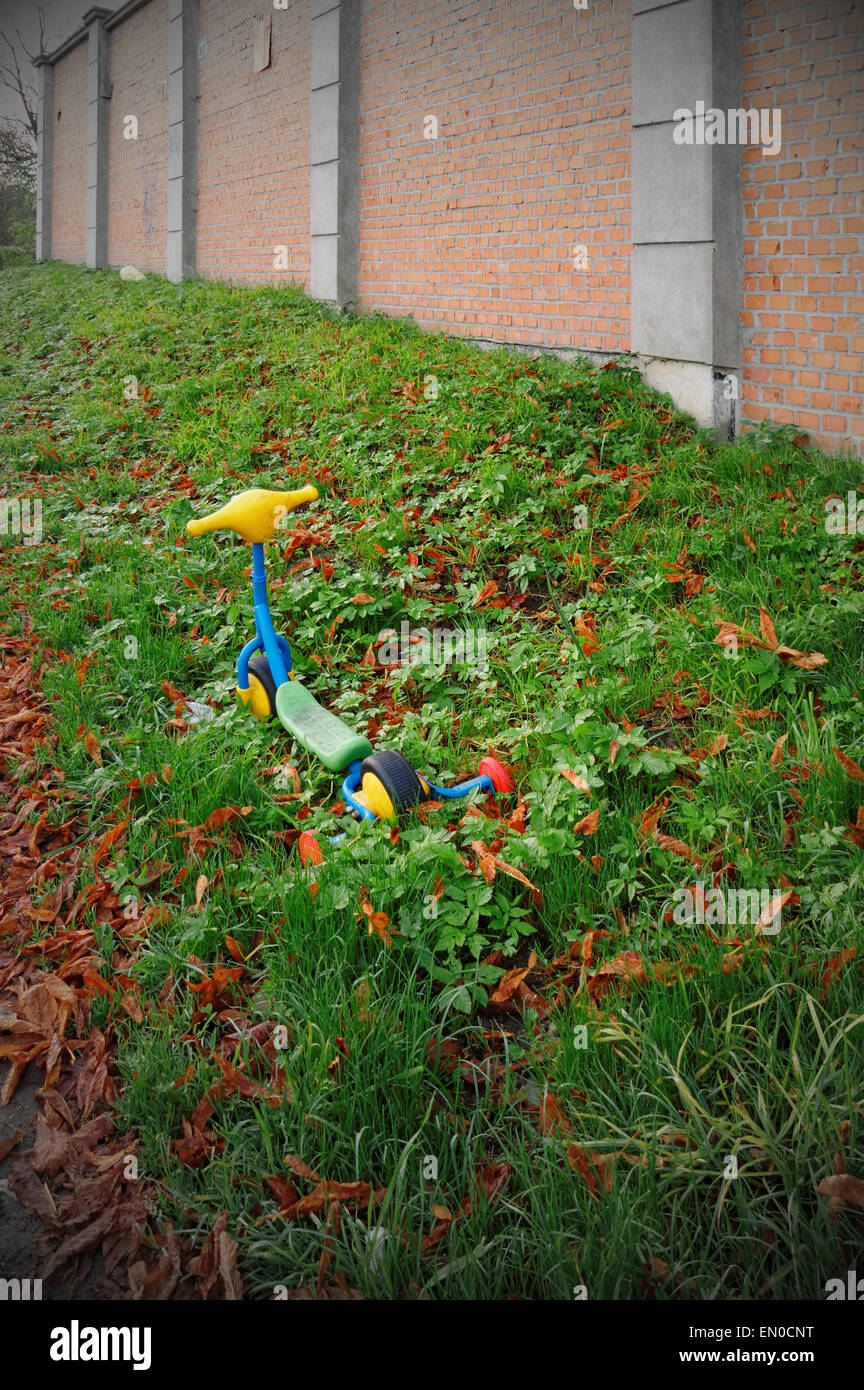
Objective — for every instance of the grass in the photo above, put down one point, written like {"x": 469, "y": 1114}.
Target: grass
{"x": 587, "y": 1134}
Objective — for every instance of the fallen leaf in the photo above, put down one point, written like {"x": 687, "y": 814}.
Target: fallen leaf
{"x": 773, "y": 908}
{"x": 108, "y": 839}
{"x": 842, "y": 1190}
{"x": 200, "y": 889}
{"x": 92, "y": 746}
{"x": 577, "y": 780}
{"x": 488, "y": 589}
{"x": 777, "y": 754}
{"x": 852, "y": 769}
{"x": 833, "y": 968}
{"x": 594, "y": 1168}
{"x": 8, "y": 1145}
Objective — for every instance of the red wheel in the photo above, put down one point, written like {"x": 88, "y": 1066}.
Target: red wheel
{"x": 497, "y": 774}
{"x": 309, "y": 849}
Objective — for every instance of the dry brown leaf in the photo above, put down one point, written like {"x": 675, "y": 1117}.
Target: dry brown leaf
{"x": 108, "y": 839}
{"x": 488, "y": 589}
{"x": 833, "y": 968}
{"x": 777, "y": 754}
{"x": 594, "y": 1168}
{"x": 766, "y": 627}
{"x": 588, "y": 824}
{"x": 842, "y": 1190}
{"x": 92, "y": 745}
{"x": 850, "y": 768}
{"x": 677, "y": 847}
{"x": 773, "y": 908}
{"x": 300, "y": 1168}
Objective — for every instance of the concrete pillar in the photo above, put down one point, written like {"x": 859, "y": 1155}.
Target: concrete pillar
{"x": 98, "y": 98}
{"x": 334, "y": 150}
{"x": 180, "y": 253}
{"x": 44, "y": 158}
{"x": 687, "y": 208}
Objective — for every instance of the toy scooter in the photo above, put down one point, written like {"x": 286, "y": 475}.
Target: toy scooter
{"x": 382, "y": 784}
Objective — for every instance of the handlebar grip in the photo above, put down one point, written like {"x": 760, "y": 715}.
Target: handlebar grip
{"x": 254, "y": 514}
{"x": 299, "y": 497}
{"x": 202, "y": 524}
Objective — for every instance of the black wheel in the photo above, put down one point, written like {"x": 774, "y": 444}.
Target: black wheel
{"x": 259, "y": 669}
{"x": 396, "y": 776}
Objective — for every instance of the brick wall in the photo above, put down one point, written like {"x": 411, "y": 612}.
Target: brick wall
{"x": 137, "y": 169}
{"x": 474, "y": 231}
{"x": 253, "y": 172}
{"x": 69, "y": 210}
{"x": 803, "y": 309}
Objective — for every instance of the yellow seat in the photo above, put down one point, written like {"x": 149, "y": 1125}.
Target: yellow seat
{"x": 254, "y": 514}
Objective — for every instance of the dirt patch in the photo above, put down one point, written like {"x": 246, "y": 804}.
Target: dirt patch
{"x": 73, "y": 1211}
{"x": 24, "y": 1249}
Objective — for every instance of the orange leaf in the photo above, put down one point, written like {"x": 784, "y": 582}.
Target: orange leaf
{"x": 842, "y": 1190}
{"x": 223, "y": 815}
{"x": 588, "y": 824}
{"x": 804, "y": 661}
{"x": 489, "y": 588}
{"x": 552, "y": 1117}
{"x": 773, "y": 909}
{"x": 766, "y": 627}
{"x": 92, "y": 746}
{"x": 777, "y": 755}
{"x": 833, "y": 968}
{"x": 852, "y": 769}
{"x": 677, "y": 847}
{"x": 378, "y": 923}
{"x": 108, "y": 839}
{"x": 576, "y": 780}
{"x": 300, "y": 1168}
{"x": 594, "y": 1168}
{"x": 514, "y": 873}
{"x": 508, "y": 985}
{"x": 647, "y": 826}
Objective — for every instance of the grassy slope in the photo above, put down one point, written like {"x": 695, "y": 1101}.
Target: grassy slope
{"x": 423, "y": 501}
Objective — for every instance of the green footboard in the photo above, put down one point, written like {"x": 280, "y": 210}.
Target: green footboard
{"x": 318, "y": 730}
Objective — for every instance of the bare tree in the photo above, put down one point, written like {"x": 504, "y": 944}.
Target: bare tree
{"x": 16, "y": 65}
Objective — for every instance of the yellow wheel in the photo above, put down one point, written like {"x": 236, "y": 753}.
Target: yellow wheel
{"x": 389, "y": 784}
{"x": 261, "y": 695}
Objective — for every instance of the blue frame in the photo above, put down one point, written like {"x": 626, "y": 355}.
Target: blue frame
{"x": 266, "y": 638}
